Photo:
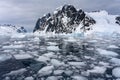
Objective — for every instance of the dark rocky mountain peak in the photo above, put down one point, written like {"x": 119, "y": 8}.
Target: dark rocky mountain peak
{"x": 64, "y": 20}
{"x": 118, "y": 20}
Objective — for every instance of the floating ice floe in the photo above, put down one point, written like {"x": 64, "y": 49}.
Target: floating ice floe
{"x": 52, "y": 43}
{"x": 17, "y": 72}
{"x": 22, "y": 56}
{"x": 13, "y": 47}
{"x": 79, "y": 77}
{"x": 116, "y": 72}
{"x": 50, "y": 55}
{"x": 104, "y": 63}
{"x": 4, "y": 57}
{"x": 29, "y": 78}
{"x": 43, "y": 59}
{"x": 97, "y": 69}
{"x": 58, "y": 72}
{"x": 57, "y": 63}
{"x": 52, "y": 78}
{"x": 46, "y": 71}
{"x": 92, "y": 41}
{"x": 107, "y": 53}
{"x": 77, "y": 63}
{"x": 36, "y": 39}
{"x": 53, "y": 48}
{"x": 115, "y": 61}
{"x": 113, "y": 46}
{"x": 71, "y": 39}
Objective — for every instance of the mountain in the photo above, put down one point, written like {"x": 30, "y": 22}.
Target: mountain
{"x": 68, "y": 19}
{"x": 64, "y": 20}
{"x": 10, "y": 29}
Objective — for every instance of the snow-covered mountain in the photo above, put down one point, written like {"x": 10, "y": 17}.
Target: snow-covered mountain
{"x": 65, "y": 19}
{"x": 10, "y": 29}
{"x": 68, "y": 19}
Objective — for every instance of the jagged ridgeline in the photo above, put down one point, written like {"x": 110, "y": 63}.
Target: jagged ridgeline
{"x": 64, "y": 20}
{"x": 8, "y": 28}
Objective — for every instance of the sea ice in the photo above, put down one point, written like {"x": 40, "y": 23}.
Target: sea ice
{"x": 115, "y": 61}
{"x": 97, "y": 69}
{"x": 43, "y": 59}
{"x": 13, "y": 47}
{"x": 57, "y": 63}
{"x": 46, "y": 71}
{"x": 22, "y": 56}
{"x": 53, "y": 48}
{"x": 107, "y": 53}
{"x": 113, "y": 46}
{"x": 4, "y": 57}
{"x": 116, "y": 72}
{"x": 17, "y": 72}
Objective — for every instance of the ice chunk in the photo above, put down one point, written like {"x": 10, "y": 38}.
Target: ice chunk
{"x": 4, "y": 57}
{"x": 50, "y": 55}
{"x": 53, "y": 48}
{"x": 104, "y": 63}
{"x": 107, "y": 53}
{"x": 71, "y": 39}
{"x": 36, "y": 39}
{"x": 97, "y": 69}
{"x": 79, "y": 77}
{"x": 13, "y": 47}
{"x": 56, "y": 63}
{"x": 77, "y": 63}
{"x": 22, "y": 56}
{"x": 116, "y": 72}
{"x": 68, "y": 72}
{"x": 58, "y": 72}
{"x": 112, "y": 46}
{"x": 43, "y": 59}
{"x": 52, "y": 78}
{"x": 93, "y": 41}
{"x": 17, "y": 72}
{"x": 29, "y": 78}
{"x": 52, "y": 43}
{"x": 46, "y": 71}
{"x": 7, "y": 51}
{"x": 115, "y": 60}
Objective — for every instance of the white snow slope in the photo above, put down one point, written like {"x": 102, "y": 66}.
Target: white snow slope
{"x": 105, "y": 23}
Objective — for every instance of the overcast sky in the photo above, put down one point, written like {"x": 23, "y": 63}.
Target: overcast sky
{"x": 26, "y": 12}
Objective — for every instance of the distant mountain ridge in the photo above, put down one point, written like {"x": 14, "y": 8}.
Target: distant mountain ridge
{"x": 9, "y": 29}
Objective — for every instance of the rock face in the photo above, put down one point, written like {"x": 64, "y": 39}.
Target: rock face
{"x": 21, "y": 30}
{"x": 118, "y": 20}
{"x": 64, "y": 20}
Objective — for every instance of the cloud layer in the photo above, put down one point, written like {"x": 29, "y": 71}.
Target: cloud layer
{"x": 26, "y": 12}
